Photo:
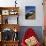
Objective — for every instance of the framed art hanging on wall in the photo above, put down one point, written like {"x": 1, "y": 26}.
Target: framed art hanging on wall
{"x": 30, "y": 12}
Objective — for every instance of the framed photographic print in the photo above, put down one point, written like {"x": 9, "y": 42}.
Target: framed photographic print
{"x": 30, "y": 12}
{"x": 5, "y": 12}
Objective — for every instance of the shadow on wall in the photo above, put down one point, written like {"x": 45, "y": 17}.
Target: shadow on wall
{"x": 37, "y": 29}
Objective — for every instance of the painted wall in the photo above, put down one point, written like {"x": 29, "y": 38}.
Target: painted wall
{"x": 22, "y": 3}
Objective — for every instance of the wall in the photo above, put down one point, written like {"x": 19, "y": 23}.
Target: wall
{"x": 22, "y": 3}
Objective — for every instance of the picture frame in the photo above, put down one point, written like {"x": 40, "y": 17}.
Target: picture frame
{"x": 5, "y": 12}
{"x": 30, "y": 12}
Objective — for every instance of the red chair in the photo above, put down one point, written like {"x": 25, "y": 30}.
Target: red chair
{"x": 29, "y": 33}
